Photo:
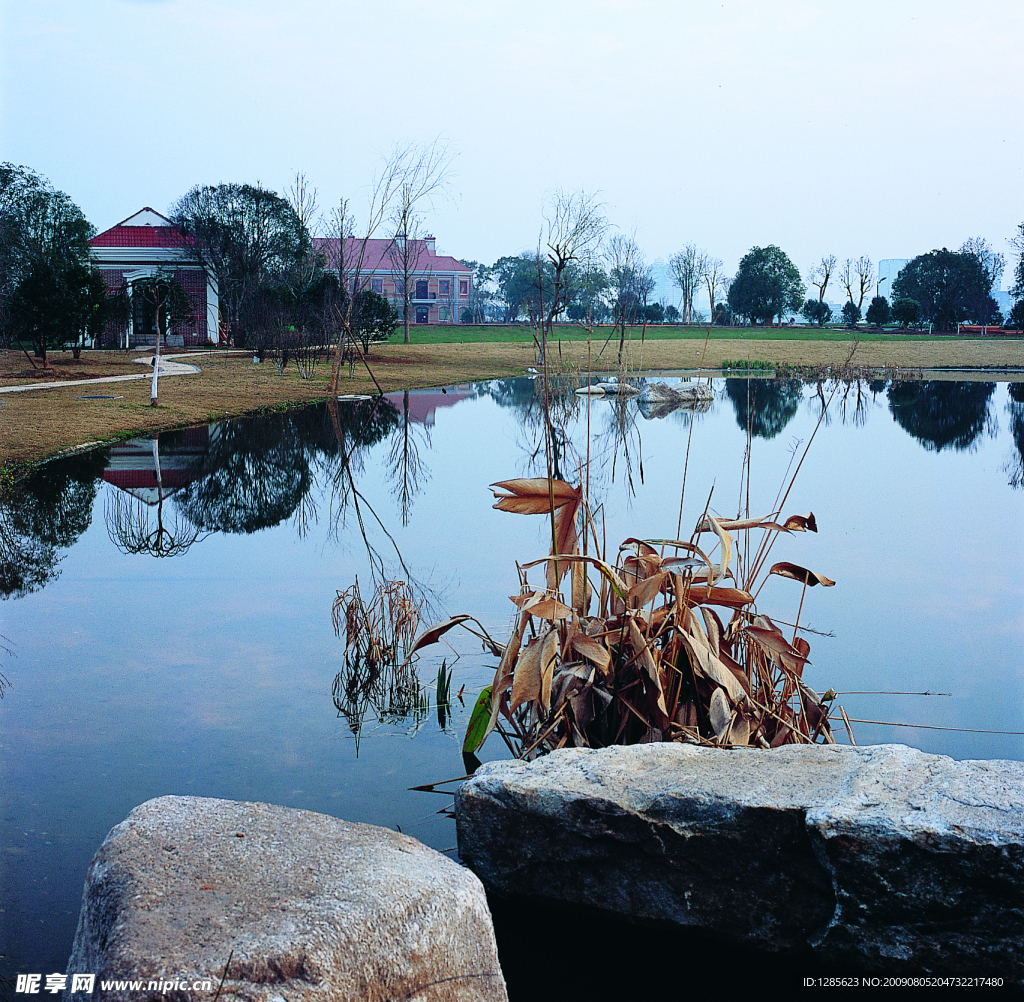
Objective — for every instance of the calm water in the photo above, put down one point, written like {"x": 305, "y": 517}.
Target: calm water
{"x": 209, "y": 670}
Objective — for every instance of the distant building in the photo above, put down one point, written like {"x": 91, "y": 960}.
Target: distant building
{"x": 888, "y": 269}
{"x": 440, "y": 285}
{"x": 137, "y": 248}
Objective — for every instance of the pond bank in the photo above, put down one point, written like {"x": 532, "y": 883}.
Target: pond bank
{"x": 48, "y": 422}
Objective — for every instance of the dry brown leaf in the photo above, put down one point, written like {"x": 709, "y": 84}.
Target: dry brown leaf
{"x": 726, "y": 541}
{"x": 732, "y": 598}
{"x": 614, "y": 580}
{"x": 713, "y": 628}
{"x": 733, "y": 524}
{"x": 639, "y": 547}
{"x": 580, "y": 589}
{"x": 798, "y": 573}
{"x": 649, "y": 666}
{"x": 801, "y": 523}
{"x": 526, "y": 681}
{"x": 645, "y": 591}
{"x": 593, "y": 650}
{"x": 523, "y": 486}
{"x": 565, "y": 541}
{"x": 542, "y": 605}
{"x": 740, "y": 733}
{"x": 531, "y": 496}
{"x": 772, "y": 641}
{"x": 503, "y": 673}
{"x": 719, "y": 713}
{"x": 705, "y": 661}
{"x": 434, "y": 633}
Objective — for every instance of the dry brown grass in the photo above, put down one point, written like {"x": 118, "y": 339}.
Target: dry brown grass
{"x": 41, "y": 423}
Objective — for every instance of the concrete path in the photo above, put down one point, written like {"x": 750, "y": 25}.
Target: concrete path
{"x": 167, "y": 368}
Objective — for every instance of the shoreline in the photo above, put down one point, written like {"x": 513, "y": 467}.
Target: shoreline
{"x": 47, "y": 423}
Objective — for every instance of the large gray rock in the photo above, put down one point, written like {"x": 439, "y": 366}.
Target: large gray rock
{"x": 306, "y": 906}
{"x": 881, "y": 856}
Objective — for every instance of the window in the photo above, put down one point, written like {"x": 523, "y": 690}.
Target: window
{"x": 442, "y": 314}
{"x": 377, "y": 285}
{"x": 463, "y": 286}
{"x": 444, "y": 287}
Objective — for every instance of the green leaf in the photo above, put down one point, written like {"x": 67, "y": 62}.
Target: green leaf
{"x": 479, "y": 721}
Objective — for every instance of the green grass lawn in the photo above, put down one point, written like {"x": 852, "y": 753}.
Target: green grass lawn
{"x": 498, "y": 333}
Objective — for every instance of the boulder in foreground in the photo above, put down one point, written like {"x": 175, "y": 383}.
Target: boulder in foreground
{"x": 882, "y": 857}
{"x": 307, "y": 907}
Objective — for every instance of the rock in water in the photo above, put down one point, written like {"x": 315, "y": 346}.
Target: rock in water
{"x": 880, "y": 858}
{"x": 308, "y": 907}
{"x": 657, "y": 400}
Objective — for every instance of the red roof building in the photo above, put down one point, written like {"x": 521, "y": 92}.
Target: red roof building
{"x": 439, "y": 285}
{"x": 139, "y": 247}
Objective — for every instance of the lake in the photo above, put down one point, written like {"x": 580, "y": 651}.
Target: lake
{"x": 172, "y": 634}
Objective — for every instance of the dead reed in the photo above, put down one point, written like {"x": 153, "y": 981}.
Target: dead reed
{"x": 665, "y": 642}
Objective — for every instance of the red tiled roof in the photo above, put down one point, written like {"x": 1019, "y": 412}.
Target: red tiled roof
{"x": 139, "y": 236}
{"x": 378, "y": 255}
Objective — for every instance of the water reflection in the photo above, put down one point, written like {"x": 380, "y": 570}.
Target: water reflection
{"x": 255, "y": 473}
{"x": 941, "y": 414}
{"x": 766, "y": 406}
{"x": 44, "y": 514}
{"x": 1015, "y": 468}
{"x": 135, "y": 515}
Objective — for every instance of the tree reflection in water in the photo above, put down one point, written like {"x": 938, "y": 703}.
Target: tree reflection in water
{"x": 1015, "y": 467}
{"x": 941, "y": 414}
{"x": 137, "y": 523}
{"x": 44, "y": 514}
{"x": 764, "y": 406}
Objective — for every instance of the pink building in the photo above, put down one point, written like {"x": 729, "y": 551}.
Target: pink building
{"x": 439, "y": 285}
{"x": 139, "y": 247}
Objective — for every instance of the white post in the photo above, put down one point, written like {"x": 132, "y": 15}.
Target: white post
{"x": 131, "y": 314}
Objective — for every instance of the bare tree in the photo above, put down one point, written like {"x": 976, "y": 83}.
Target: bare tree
{"x": 406, "y": 255}
{"x": 865, "y": 271}
{"x": 847, "y": 275}
{"x": 575, "y": 228}
{"x": 993, "y": 263}
{"x": 626, "y": 271}
{"x": 821, "y": 273}
{"x": 408, "y": 177}
{"x": 686, "y": 269}
{"x": 713, "y": 278}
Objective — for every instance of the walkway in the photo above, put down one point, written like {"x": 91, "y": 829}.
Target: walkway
{"x": 167, "y": 368}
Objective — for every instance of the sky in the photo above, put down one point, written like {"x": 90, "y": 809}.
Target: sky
{"x": 882, "y": 128}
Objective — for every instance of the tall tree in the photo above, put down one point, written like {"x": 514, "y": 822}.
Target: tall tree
{"x": 409, "y": 175}
{"x": 767, "y": 284}
{"x": 243, "y": 234}
{"x": 950, "y": 287}
{"x": 993, "y": 264}
{"x": 857, "y": 277}
{"x": 628, "y": 276}
{"x": 50, "y": 293}
{"x": 713, "y": 275}
{"x": 427, "y": 174}
{"x": 686, "y": 268}
{"x": 575, "y": 225}
{"x": 1017, "y": 243}
{"x": 821, "y": 273}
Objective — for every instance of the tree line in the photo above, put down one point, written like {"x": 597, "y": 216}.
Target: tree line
{"x": 277, "y": 293}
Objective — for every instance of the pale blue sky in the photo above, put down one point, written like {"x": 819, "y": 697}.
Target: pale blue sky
{"x": 885, "y": 128}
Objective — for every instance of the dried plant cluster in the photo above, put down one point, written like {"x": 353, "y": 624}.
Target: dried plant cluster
{"x": 664, "y": 644}
{"x": 375, "y": 676}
